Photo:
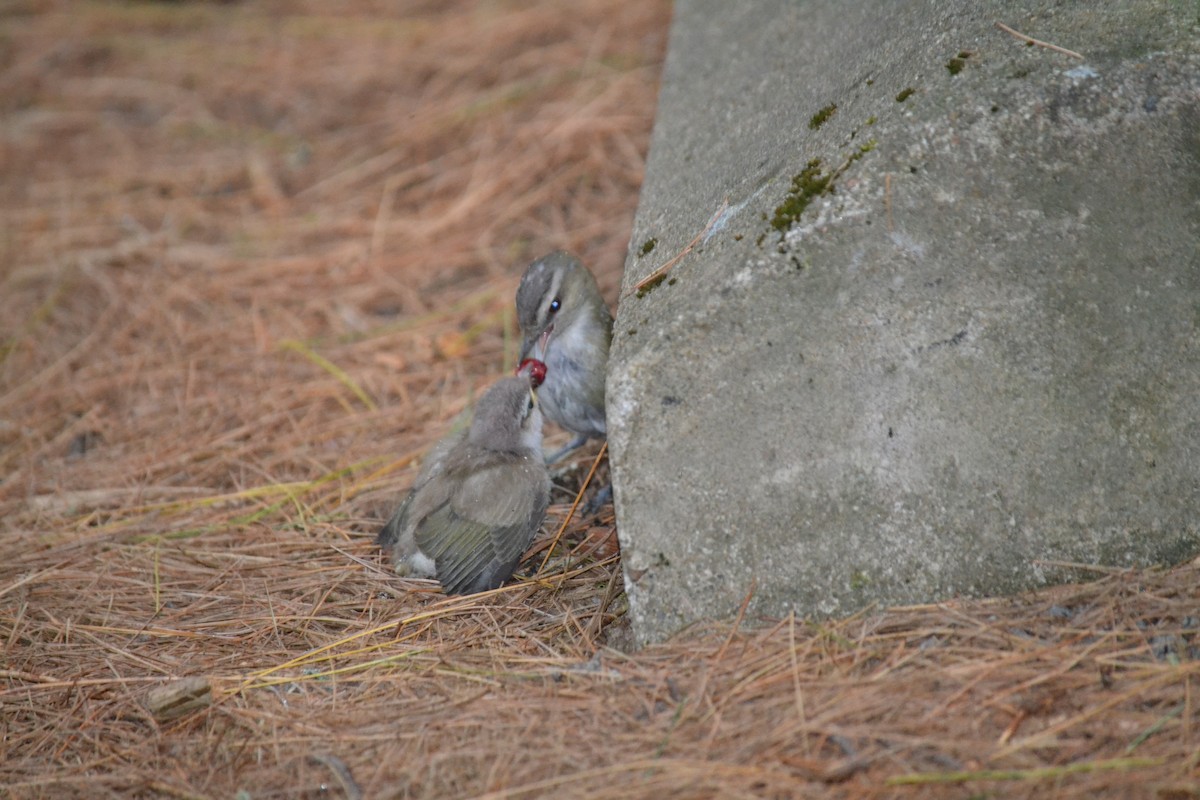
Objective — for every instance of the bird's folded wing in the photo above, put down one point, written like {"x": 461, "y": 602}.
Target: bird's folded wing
{"x": 458, "y": 546}
{"x": 464, "y": 549}
{"x": 484, "y": 526}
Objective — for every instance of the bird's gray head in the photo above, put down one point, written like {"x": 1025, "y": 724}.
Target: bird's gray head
{"x": 507, "y": 417}
{"x": 556, "y": 290}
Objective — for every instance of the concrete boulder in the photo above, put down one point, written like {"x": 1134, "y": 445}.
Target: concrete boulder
{"x": 938, "y": 328}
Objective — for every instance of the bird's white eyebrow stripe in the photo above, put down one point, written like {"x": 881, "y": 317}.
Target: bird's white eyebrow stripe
{"x": 555, "y": 283}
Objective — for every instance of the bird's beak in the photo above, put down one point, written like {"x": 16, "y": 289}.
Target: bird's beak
{"x": 539, "y": 342}
{"x": 527, "y": 349}
{"x": 533, "y": 395}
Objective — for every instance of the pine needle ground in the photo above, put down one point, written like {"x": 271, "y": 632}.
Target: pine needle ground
{"x": 256, "y": 257}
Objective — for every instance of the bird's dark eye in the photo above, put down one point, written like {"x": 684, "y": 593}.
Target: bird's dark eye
{"x": 555, "y": 304}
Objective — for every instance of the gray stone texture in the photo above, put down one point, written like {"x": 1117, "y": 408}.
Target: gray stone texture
{"x": 976, "y": 359}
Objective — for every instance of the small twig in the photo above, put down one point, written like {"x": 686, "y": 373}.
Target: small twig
{"x": 370, "y": 565}
{"x": 571, "y": 513}
{"x": 1011, "y": 730}
{"x": 11, "y": 674}
{"x": 661, "y": 271}
{"x": 594, "y": 627}
{"x": 1038, "y": 42}
{"x": 1100, "y": 568}
{"x": 800, "y": 713}
{"x": 382, "y": 216}
{"x": 740, "y": 616}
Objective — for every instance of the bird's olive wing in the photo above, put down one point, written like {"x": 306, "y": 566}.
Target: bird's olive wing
{"x": 484, "y": 527}
{"x": 467, "y": 551}
{"x": 458, "y": 546}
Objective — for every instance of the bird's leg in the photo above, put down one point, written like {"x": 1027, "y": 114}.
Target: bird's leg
{"x": 574, "y": 444}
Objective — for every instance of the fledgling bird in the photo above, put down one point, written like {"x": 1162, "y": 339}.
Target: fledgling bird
{"x": 479, "y": 499}
{"x": 565, "y": 324}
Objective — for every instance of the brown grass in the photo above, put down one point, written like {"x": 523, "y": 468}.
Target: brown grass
{"x": 255, "y": 258}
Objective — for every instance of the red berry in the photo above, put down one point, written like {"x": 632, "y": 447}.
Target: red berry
{"x": 537, "y": 371}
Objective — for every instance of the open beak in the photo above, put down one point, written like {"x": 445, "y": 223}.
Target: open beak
{"x": 539, "y": 343}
